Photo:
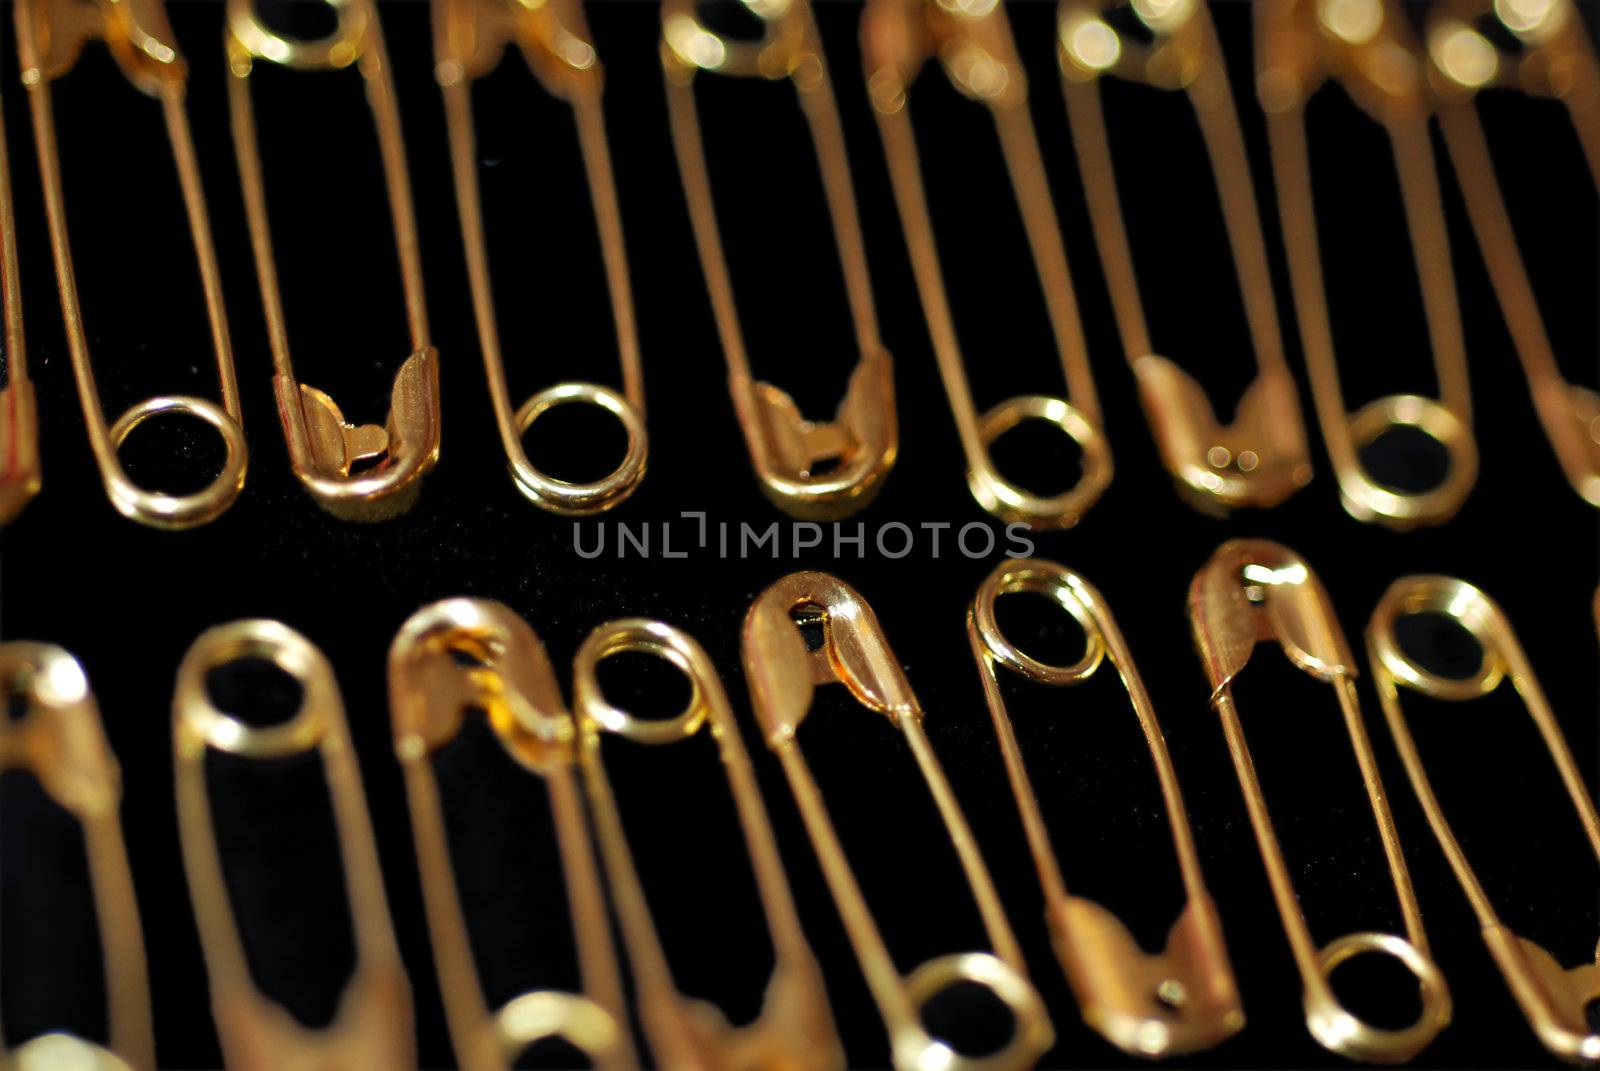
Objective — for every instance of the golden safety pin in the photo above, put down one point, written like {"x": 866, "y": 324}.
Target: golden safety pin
{"x": 323, "y": 446}
{"x": 1183, "y": 999}
{"x": 782, "y": 675}
{"x": 1552, "y": 997}
{"x": 1365, "y": 46}
{"x": 450, "y": 658}
{"x": 51, "y": 34}
{"x": 19, "y": 413}
{"x": 373, "y": 1025}
{"x": 1260, "y": 458}
{"x": 1254, "y": 591}
{"x": 819, "y": 471}
{"x": 470, "y": 38}
{"x": 60, "y": 740}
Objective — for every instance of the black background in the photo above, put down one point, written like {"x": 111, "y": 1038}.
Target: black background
{"x": 128, "y": 600}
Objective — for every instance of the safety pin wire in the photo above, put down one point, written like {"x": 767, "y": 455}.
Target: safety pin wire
{"x": 20, "y": 475}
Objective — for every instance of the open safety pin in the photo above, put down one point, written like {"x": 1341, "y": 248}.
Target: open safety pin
{"x": 19, "y": 414}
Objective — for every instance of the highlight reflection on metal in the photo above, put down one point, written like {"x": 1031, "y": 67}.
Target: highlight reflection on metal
{"x": 324, "y": 448}
{"x": 1183, "y": 999}
{"x": 59, "y": 739}
{"x": 51, "y": 34}
{"x": 783, "y": 674}
{"x": 470, "y": 40}
{"x": 814, "y": 471}
{"x": 450, "y": 658}
{"x": 795, "y": 1029}
{"x": 19, "y": 415}
{"x": 1261, "y": 458}
{"x": 1366, "y": 48}
{"x": 1253, "y": 591}
{"x": 1554, "y": 998}
{"x": 1554, "y": 59}
{"x": 373, "y": 1025}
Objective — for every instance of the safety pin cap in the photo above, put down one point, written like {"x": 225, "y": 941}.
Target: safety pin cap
{"x": 136, "y": 31}
{"x": 1554, "y": 998}
{"x": 20, "y": 472}
{"x": 58, "y": 1051}
{"x": 60, "y": 738}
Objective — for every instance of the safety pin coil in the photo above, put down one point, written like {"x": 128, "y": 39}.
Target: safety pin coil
{"x": 782, "y": 675}
{"x": 19, "y": 413}
{"x": 51, "y": 34}
{"x": 1254, "y": 591}
{"x": 1183, "y": 999}
{"x": 1552, "y": 997}
{"x": 373, "y": 1025}
{"x": 811, "y": 470}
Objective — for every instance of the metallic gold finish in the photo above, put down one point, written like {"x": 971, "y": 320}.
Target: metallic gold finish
{"x": 783, "y": 675}
{"x": 1183, "y": 999}
{"x": 373, "y": 1026}
{"x": 51, "y": 34}
{"x": 323, "y": 446}
{"x": 789, "y": 452}
{"x": 1554, "y": 998}
{"x": 795, "y": 1029}
{"x": 1253, "y": 591}
{"x": 1260, "y": 458}
{"x": 470, "y": 39}
{"x": 19, "y": 414}
{"x": 1366, "y": 47}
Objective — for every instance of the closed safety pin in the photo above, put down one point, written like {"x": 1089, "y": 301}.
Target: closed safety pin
{"x": 1552, "y": 997}
{"x": 782, "y": 675}
{"x": 60, "y": 740}
{"x": 1366, "y": 47}
{"x": 795, "y": 1029}
{"x": 19, "y": 414}
{"x": 1183, "y": 999}
{"x": 323, "y": 446}
{"x": 470, "y": 39}
{"x": 1261, "y": 458}
{"x": 51, "y": 34}
{"x": 819, "y": 471}
{"x": 373, "y": 1025}
{"x": 474, "y": 654}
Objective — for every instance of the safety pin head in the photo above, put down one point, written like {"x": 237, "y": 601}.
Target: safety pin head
{"x": 787, "y": 44}
{"x": 971, "y": 39}
{"x": 61, "y": 1052}
{"x": 20, "y": 473}
{"x": 1463, "y": 59}
{"x": 1087, "y": 46}
{"x": 1467, "y": 606}
{"x": 250, "y": 38}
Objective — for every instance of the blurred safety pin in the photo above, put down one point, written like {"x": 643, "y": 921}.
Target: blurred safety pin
{"x": 1183, "y": 999}
{"x": 323, "y": 446}
{"x": 470, "y": 39}
{"x": 51, "y": 35}
{"x": 1553, "y": 998}
{"x": 373, "y": 1024}
{"x": 783, "y": 675}
{"x": 19, "y": 413}
{"x": 820, "y": 471}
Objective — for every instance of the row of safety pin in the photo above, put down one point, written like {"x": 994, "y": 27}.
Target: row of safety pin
{"x": 825, "y": 470}
{"x": 463, "y": 655}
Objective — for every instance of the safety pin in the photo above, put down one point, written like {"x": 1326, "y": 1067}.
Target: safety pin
{"x": 795, "y": 1028}
{"x": 450, "y": 658}
{"x": 1250, "y": 592}
{"x": 1557, "y": 61}
{"x": 1260, "y": 458}
{"x": 1552, "y": 997}
{"x": 373, "y": 1026}
{"x": 323, "y": 446}
{"x": 782, "y": 675}
{"x": 1183, "y": 999}
{"x": 60, "y": 740}
{"x": 51, "y": 34}
{"x": 19, "y": 413}
{"x": 1365, "y": 46}
{"x": 819, "y": 471}
{"x": 470, "y": 39}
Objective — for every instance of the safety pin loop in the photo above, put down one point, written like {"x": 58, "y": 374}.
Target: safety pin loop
{"x": 323, "y": 445}
{"x": 449, "y": 658}
{"x": 795, "y": 1028}
{"x": 51, "y": 34}
{"x": 373, "y": 1026}
{"x": 1253, "y": 591}
{"x": 1365, "y": 46}
{"x": 1552, "y": 997}
{"x": 1261, "y": 458}
{"x": 789, "y": 452}
{"x": 60, "y": 740}
{"x": 19, "y": 413}
{"x": 1183, "y": 999}
{"x": 782, "y": 675}
{"x": 470, "y": 39}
